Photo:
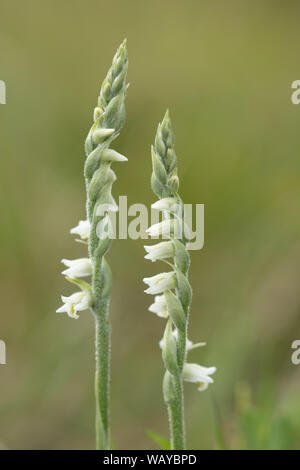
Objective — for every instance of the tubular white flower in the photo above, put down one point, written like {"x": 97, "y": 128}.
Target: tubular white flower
{"x": 77, "y": 267}
{"x": 160, "y": 251}
{"x": 166, "y": 228}
{"x": 168, "y": 204}
{"x": 198, "y": 374}
{"x": 82, "y": 229}
{"x": 170, "y": 228}
{"x": 159, "y": 307}
{"x": 160, "y": 282}
{"x": 76, "y": 302}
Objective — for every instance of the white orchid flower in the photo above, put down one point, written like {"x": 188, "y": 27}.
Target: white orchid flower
{"x": 77, "y": 267}
{"x": 160, "y": 251}
{"x": 160, "y": 282}
{"x": 198, "y": 374}
{"x": 168, "y": 204}
{"x": 166, "y": 228}
{"x": 82, "y": 229}
{"x": 169, "y": 228}
{"x": 75, "y": 303}
{"x": 159, "y": 307}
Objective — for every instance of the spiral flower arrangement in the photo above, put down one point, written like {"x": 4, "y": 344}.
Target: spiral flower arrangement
{"x": 172, "y": 289}
{"x": 109, "y": 117}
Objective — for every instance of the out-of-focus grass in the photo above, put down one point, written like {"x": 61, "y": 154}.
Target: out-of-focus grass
{"x": 225, "y": 71}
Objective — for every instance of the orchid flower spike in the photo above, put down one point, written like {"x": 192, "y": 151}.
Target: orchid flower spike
{"x": 108, "y": 119}
{"x": 174, "y": 288}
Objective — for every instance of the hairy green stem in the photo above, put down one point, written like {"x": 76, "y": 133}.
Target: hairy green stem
{"x": 102, "y": 353}
{"x": 102, "y": 377}
{"x": 176, "y": 415}
{"x": 101, "y": 288}
{"x": 176, "y": 407}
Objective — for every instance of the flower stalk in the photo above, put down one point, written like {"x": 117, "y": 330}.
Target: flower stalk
{"x": 174, "y": 288}
{"x": 108, "y": 119}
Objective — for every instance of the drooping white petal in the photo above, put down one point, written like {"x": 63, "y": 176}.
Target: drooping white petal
{"x": 160, "y": 251}
{"x": 198, "y": 374}
{"x": 82, "y": 229}
{"x": 190, "y": 345}
{"x": 62, "y": 309}
{"x": 160, "y": 282}
{"x": 159, "y": 307}
{"x": 202, "y": 386}
{"x": 77, "y": 267}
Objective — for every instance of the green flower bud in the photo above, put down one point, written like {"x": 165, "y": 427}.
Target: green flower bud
{"x": 173, "y": 183}
{"x": 182, "y": 257}
{"x": 175, "y": 310}
{"x": 184, "y": 290}
{"x": 169, "y": 350}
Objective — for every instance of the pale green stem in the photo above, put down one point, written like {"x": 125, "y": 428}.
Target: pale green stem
{"x": 176, "y": 415}
{"x": 176, "y": 408}
{"x": 102, "y": 375}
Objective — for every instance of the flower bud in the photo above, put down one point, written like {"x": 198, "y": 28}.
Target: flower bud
{"x": 101, "y": 133}
{"x": 168, "y": 388}
{"x": 173, "y": 183}
{"x": 169, "y": 350}
{"x": 175, "y": 310}
{"x": 112, "y": 156}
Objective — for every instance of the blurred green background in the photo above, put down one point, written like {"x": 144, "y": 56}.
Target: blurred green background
{"x": 225, "y": 70}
